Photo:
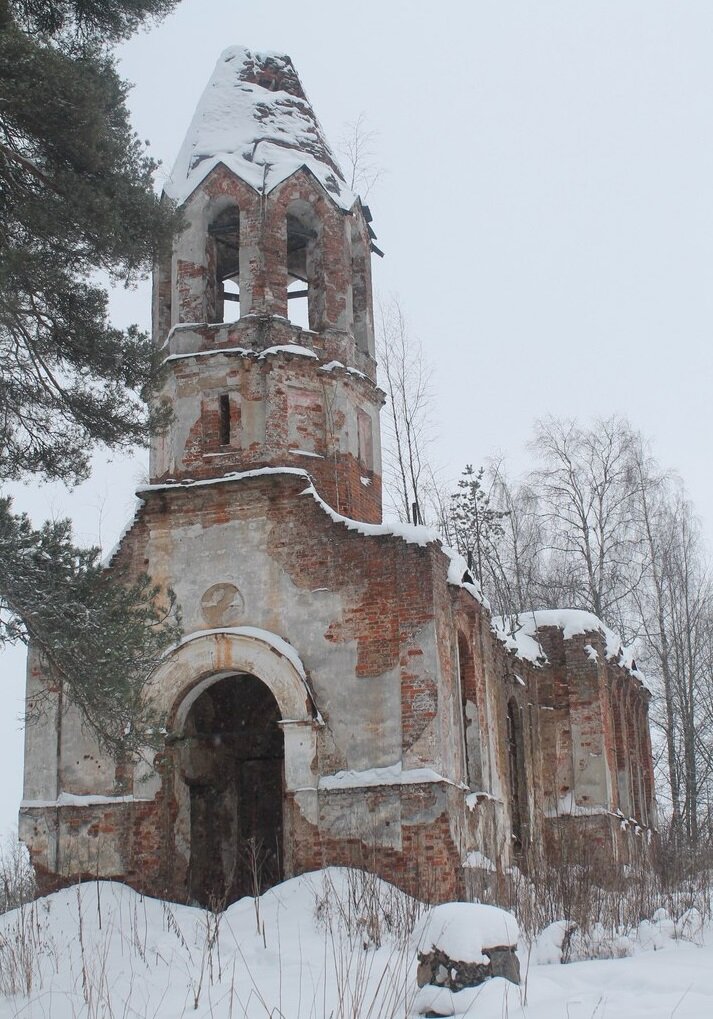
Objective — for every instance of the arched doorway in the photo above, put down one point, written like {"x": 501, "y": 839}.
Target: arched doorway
{"x": 232, "y": 760}
{"x": 245, "y": 656}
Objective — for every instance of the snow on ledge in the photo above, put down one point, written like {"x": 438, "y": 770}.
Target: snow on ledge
{"x": 479, "y": 861}
{"x": 474, "y": 798}
{"x": 568, "y": 807}
{"x": 181, "y": 327}
{"x": 237, "y": 351}
{"x": 258, "y": 472}
{"x": 306, "y": 452}
{"x": 393, "y": 774}
{"x": 276, "y": 642}
{"x": 412, "y": 534}
{"x": 288, "y": 348}
{"x": 283, "y": 348}
{"x": 106, "y": 559}
{"x": 339, "y": 366}
{"x": 76, "y": 800}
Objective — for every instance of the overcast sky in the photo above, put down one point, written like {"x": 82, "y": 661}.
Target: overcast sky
{"x": 546, "y": 212}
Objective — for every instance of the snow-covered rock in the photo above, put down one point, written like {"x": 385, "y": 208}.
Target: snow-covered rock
{"x": 464, "y": 929}
{"x": 463, "y": 944}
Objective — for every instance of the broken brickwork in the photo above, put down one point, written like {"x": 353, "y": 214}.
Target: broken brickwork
{"x": 340, "y": 695}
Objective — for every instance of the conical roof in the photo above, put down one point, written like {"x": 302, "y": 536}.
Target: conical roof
{"x": 256, "y": 119}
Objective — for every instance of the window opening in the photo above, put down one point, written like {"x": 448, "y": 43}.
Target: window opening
{"x": 516, "y": 758}
{"x": 471, "y": 721}
{"x": 225, "y": 420}
{"x": 646, "y": 773}
{"x": 620, "y": 753}
{"x": 635, "y": 758}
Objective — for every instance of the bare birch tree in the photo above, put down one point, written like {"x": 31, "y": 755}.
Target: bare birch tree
{"x": 358, "y": 154}
{"x": 675, "y": 607}
{"x": 520, "y": 548}
{"x": 407, "y": 428}
{"x": 586, "y": 486}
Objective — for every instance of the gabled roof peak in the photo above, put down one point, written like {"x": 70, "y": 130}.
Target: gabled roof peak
{"x": 255, "y": 117}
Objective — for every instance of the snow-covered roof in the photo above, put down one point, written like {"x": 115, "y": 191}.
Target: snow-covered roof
{"x": 412, "y": 534}
{"x": 255, "y": 118}
{"x": 519, "y": 634}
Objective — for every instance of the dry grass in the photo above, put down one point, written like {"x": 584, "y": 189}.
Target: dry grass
{"x": 600, "y": 908}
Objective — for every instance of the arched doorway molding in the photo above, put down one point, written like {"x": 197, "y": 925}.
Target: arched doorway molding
{"x": 203, "y": 658}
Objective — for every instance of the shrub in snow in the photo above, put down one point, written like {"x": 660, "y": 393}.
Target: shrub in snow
{"x": 549, "y": 943}
{"x": 463, "y": 944}
{"x": 689, "y": 925}
{"x": 17, "y": 879}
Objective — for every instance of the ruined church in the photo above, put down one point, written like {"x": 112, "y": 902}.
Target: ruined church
{"x": 341, "y": 694}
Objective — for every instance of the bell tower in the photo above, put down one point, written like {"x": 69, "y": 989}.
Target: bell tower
{"x": 264, "y": 310}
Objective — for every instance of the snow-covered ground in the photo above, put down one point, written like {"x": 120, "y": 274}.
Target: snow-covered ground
{"x": 330, "y": 944}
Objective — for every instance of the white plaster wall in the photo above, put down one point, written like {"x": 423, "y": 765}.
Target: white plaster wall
{"x": 363, "y": 714}
{"x": 41, "y": 740}
{"x": 83, "y": 767}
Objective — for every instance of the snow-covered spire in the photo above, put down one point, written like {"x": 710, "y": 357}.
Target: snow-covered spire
{"x": 255, "y": 118}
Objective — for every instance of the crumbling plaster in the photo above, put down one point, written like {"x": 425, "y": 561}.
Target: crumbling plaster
{"x": 264, "y": 517}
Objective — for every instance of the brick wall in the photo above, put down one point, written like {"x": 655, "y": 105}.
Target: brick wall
{"x": 396, "y": 609}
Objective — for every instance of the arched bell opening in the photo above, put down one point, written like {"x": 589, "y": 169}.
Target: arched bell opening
{"x": 231, "y": 764}
{"x": 224, "y": 266}
{"x": 305, "y": 283}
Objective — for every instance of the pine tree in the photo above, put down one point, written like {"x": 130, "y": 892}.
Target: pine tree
{"x": 76, "y": 196}
{"x": 476, "y": 524}
{"x": 102, "y": 636}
